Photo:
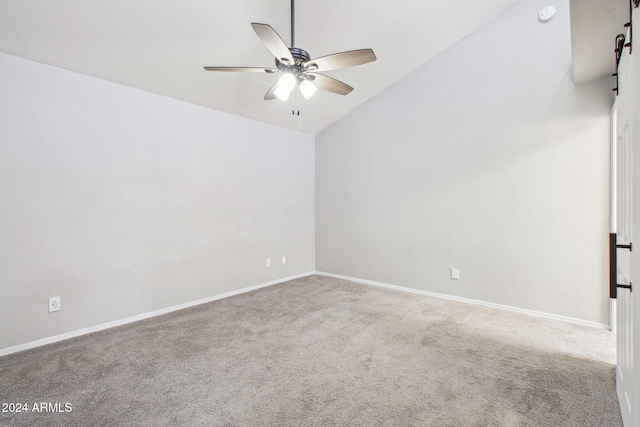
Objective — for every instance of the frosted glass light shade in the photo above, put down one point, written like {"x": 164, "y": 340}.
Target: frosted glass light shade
{"x": 285, "y": 85}
{"x": 307, "y": 89}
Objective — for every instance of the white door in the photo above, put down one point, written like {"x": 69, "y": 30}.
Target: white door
{"x": 622, "y": 171}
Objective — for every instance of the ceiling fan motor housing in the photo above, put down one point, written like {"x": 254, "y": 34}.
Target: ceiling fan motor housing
{"x": 300, "y": 56}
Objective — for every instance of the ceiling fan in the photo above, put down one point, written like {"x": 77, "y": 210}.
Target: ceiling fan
{"x": 297, "y": 66}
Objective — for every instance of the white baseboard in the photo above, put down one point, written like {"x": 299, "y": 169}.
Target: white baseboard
{"x": 471, "y": 301}
{"x": 113, "y": 324}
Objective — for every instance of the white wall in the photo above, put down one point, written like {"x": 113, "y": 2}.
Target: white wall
{"x": 124, "y": 202}
{"x": 488, "y": 159}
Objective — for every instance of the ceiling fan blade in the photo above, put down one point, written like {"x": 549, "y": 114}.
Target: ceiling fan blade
{"x": 271, "y": 93}
{"x": 244, "y": 69}
{"x": 330, "y": 84}
{"x": 340, "y": 60}
{"x": 274, "y": 43}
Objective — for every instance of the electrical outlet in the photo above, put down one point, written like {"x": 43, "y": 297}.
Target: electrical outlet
{"x": 54, "y": 304}
{"x": 268, "y": 263}
{"x": 284, "y": 259}
{"x": 455, "y": 273}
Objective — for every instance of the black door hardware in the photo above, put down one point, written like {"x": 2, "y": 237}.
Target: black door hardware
{"x": 629, "y": 246}
{"x": 629, "y": 286}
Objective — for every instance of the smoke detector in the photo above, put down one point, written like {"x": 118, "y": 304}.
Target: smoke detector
{"x": 546, "y": 13}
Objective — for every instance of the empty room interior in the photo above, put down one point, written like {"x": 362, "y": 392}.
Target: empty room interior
{"x": 440, "y": 235}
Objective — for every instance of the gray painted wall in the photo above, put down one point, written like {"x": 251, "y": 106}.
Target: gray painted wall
{"x": 124, "y": 202}
{"x": 488, "y": 159}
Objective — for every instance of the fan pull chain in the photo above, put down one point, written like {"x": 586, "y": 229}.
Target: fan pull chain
{"x": 296, "y": 102}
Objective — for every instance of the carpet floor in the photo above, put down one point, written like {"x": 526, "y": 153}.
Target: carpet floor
{"x": 319, "y": 351}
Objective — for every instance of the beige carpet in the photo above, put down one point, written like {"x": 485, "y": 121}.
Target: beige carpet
{"x": 319, "y": 351}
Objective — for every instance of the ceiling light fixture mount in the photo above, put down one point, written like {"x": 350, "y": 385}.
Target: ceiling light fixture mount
{"x": 298, "y": 69}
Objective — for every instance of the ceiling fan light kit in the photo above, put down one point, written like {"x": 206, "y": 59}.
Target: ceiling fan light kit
{"x": 298, "y": 69}
{"x": 307, "y": 89}
{"x": 285, "y": 86}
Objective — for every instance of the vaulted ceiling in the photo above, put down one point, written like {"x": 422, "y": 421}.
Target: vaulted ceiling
{"x": 161, "y": 46}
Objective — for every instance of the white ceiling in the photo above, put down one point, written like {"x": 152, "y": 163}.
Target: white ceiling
{"x": 160, "y": 46}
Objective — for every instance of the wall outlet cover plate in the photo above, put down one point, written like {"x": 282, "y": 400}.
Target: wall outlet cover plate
{"x": 54, "y": 304}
